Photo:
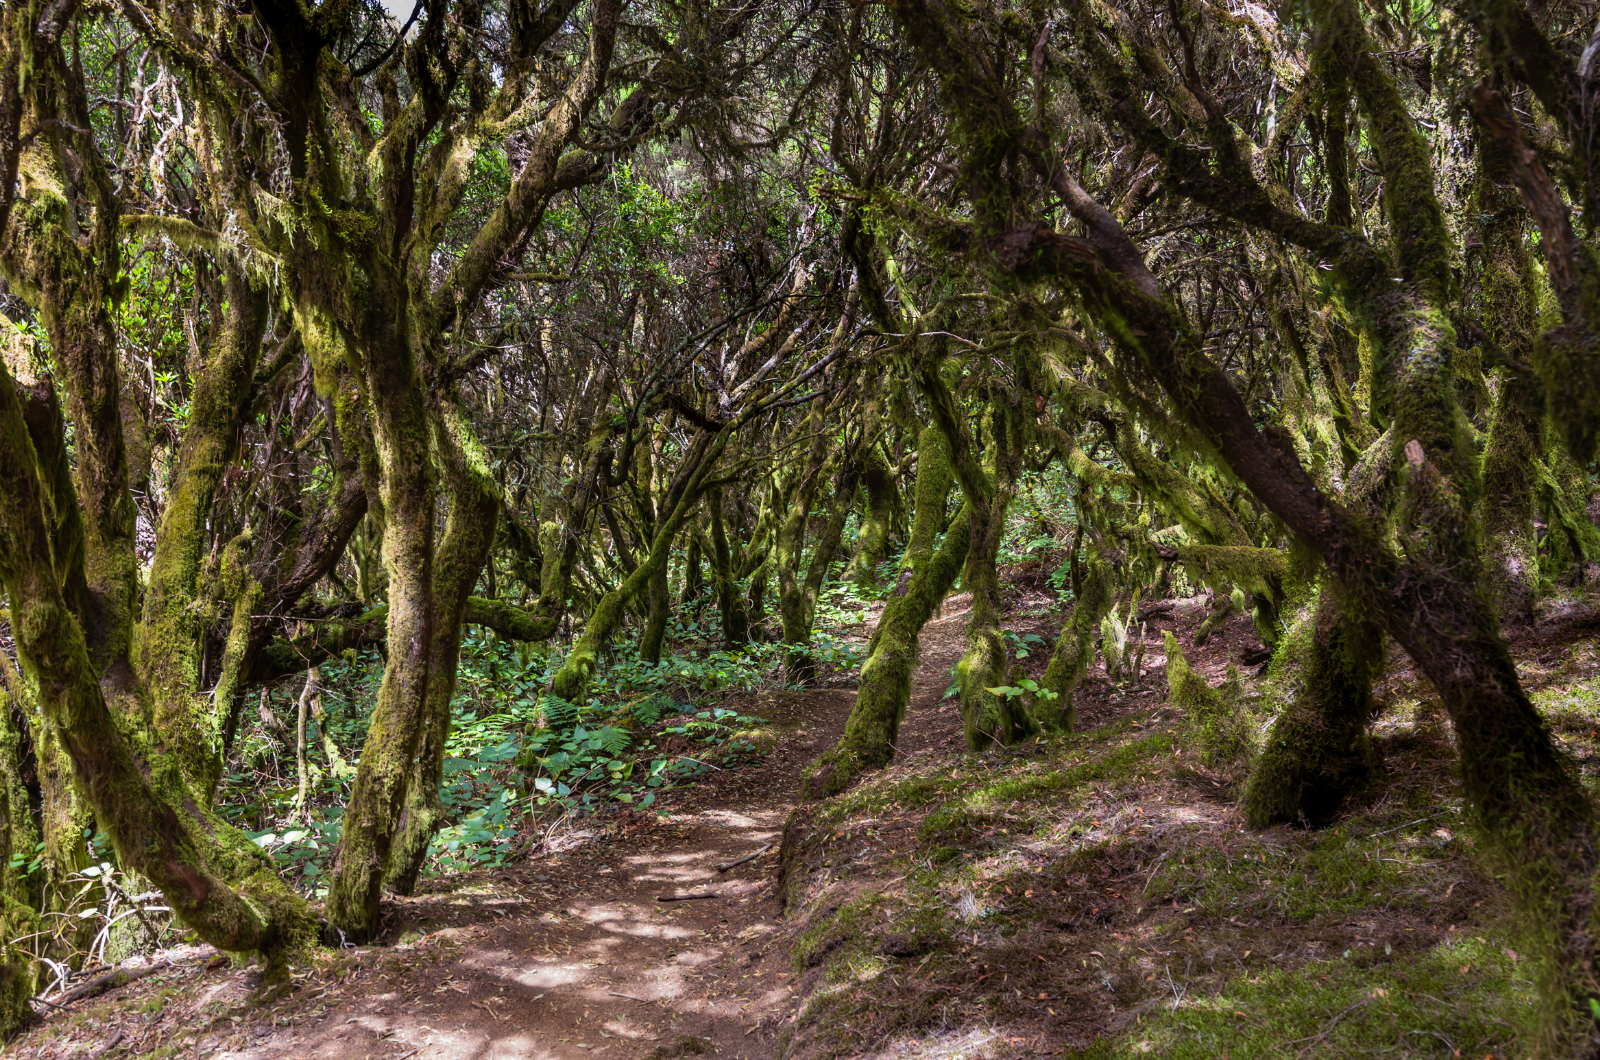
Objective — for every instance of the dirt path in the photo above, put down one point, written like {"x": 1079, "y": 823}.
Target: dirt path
{"x": 566, "y": 956}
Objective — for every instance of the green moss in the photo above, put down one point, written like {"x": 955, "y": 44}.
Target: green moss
{"x": 873, "y": 534}
{"x": 1074, "y": 651}
{"x": 844, "y": 934}
{"x": 1224, "y": 728}
{"x": 960, "y": 821}
{"x": 1317, "y": 752}
{"x": 1465, "y": 996}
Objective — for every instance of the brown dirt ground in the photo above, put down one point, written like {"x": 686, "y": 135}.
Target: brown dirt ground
{"x": 566, "y": 955}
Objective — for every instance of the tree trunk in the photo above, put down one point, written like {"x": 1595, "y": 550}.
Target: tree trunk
{"x": 797, "y": 600}
{"x": 468, "y": 536}
{"x": 689, "y": 598}
{"x": 191, "y": 858}
{"x": 408, "y": 487}
{"x": 1506, "y": 297}
{"x": 301, "y": 770}
{"x": 735, "y": 620}
{"x": 1316, "y": 752}
{"x": 171, "y": 626}
{"x": 17, "y": 918}
{"x": 987, "y": 717}
{"x": 873, "y": 536}
{"x": 1074, "y": 651}
{"x": 67, "y": 556}
{"x": 884, "y": 689}
{"x": 655, "y": 627}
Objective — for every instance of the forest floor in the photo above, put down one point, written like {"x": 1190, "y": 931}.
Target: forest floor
{"x": 1094, "y": 894}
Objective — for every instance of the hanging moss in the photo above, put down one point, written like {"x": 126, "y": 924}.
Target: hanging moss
{"x": 1223, "y": 727}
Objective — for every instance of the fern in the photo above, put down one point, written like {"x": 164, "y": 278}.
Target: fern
{"x": 611, "y": 740}
{"x": 560, "y": 714}
{"x": 646, "y": 711}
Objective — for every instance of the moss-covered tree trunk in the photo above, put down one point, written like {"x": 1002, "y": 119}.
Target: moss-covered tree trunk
{"x": 693, "y": 575}
{"x": 402, "y": 431}
{"x": 1074, "y": 650}
{"x": 1506, "y": 298}
{"x": 468, "y": 535}
{"x": 68, "y": 551}
{"x": 872, "y": 536}
{"x": 171, "y": 624}
{"x": 18, "y": 920}
{"x": 799, "y": 602}
{"x": 988, "y": 718}
{"x": 1316, "y": 752}
{"x": 788, "y": 549}
{"x": 213, "y": 876}
{"x": 64, "y": 817}
{"x": 730, "y": 604}
{"x": 654, "y": 635}
{"x": 884, "y": 689}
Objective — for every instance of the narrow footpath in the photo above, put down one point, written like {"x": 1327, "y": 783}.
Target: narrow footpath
{"x": 568, "y": 955}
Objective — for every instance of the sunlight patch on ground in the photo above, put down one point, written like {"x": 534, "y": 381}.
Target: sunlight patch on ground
{"x": 549, "y": 976}
{"x": 977, "y": 1043}
{"x": 644, "y": 929}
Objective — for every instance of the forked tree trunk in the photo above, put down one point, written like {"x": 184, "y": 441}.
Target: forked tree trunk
{"x": 468, "y": 536}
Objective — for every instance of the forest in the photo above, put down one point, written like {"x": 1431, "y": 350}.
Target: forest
{"x": 805, "y": 529}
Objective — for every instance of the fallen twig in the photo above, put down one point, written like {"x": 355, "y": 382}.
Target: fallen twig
{"x": 1408, "y": 824}
{"x": 726, "y": 865}
{"x": 630, "y": 997}
{"x": 1323, "y": 1033}
{"x": 686, "y": 897}
{"x": 112, "y": 1044}
{"x": 117, "y": 977}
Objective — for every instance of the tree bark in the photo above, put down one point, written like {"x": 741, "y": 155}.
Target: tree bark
{"x": 1316, "y": 753}
{"x": 884, "y": 689}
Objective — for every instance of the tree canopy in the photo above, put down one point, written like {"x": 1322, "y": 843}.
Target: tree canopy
{"x": 341, "y": 342}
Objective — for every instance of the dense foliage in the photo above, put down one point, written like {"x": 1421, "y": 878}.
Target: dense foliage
{"x": 409, "y": 430}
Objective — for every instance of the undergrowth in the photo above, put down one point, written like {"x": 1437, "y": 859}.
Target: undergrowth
{"x": 518, "y": 761}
